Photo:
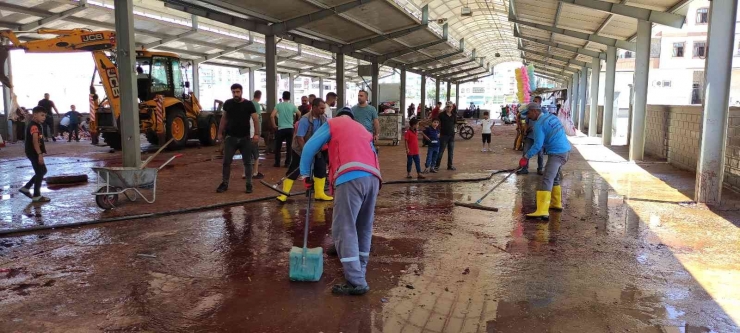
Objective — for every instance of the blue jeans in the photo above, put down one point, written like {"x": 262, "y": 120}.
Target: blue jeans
{"x": 415, "y": 159}
{"x": 432, "y": 153}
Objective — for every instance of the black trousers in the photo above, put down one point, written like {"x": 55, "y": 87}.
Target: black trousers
{"x": 285, "y": 134}
{"x": 446, "y": 142}
{"x": 39, "y": 171}
{"x": 48, "y": 126}
{"x": 319, "y": 166}
{"x": 74, "y": 128}
{"x": 231, "y": 145}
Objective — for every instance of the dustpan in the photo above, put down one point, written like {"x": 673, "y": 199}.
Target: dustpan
{"x": 306, "y": 264}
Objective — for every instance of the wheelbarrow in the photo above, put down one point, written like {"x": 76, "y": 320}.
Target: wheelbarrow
{"x": 114, "y": 181}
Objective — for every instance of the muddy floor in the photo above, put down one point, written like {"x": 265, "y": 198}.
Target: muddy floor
{"x": 630, "y": 252}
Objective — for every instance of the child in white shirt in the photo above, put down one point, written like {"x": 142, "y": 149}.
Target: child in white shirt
{"x": 487, "y": 125}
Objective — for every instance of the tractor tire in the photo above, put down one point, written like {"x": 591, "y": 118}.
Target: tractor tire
{"x": 152, "y": 138}
{"x": 113, "y": 140}
{"x": 208, "y": 134}
{"x": 177, "y": 127}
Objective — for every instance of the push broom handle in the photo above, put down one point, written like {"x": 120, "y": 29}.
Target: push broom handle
{"x": 309, "y": 194}
{"x": 495, "y": 186}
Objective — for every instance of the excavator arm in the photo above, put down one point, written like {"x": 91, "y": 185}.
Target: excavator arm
{"x": 75, "y": 40}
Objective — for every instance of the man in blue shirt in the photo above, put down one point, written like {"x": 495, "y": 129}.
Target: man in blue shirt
{"x": 307, "y": 126}
{"x": 529, "y": 141}
{"x": 549, "y": 135}
{"x": 366, "y": 115}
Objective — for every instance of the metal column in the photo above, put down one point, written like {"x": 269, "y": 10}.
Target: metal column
{"x": 436, "y": 91}
{"x": 195, "y": 85}
{"x": 611, "y": 72}
{"x": 711, "y": 166}
{"x": 457, "y": 95}
{"x": 341, "y": 86}
{"x": 291, "y": 87}
{"x": 449, "y": 91}
{"x": 321, "y": 88}
{"x": 375, "y": 86}
{"x": 642, "y": 69}
{"x": 7, "y": 103}
{"x": 593, "y": 120}
{"x": 423, "y": 101}
{"x": 582, "y": 98}
{"x": 271, "y": 72}
{"x": 574, "y": 99}
{"x": 402, "y": 107}
{"x": 569, "y": 95}
{"x": 252, "y": 86}
{"x": 126, "y": 61}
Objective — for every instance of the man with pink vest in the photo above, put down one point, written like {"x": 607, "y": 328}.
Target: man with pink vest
{"x": 354, "y": 174}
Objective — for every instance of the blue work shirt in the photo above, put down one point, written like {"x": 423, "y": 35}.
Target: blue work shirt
{"x": 303, "y": 126}
{"x": 550, "y": 135}
{"x": 313, "y": 146}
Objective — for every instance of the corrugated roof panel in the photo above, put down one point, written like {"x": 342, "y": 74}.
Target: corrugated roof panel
{"x": 381, "y": 15}
{"x": 338, "y": 28}
{"x": 569, "y": 40}
{"x": 661, "y": 5}
{"x": 580, "y": 19}
{"x": 534, "y": 32}
{"x": 280, "y": 10}
{"x": 620, "y": 27}
{"x": 541, "y": 11}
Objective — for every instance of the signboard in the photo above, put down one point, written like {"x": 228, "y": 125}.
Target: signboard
{"x": 365, "y": 70}
{"x": 479, "y": 90}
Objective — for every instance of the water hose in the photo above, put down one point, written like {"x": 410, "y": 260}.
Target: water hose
{"x": 219, "y": 205}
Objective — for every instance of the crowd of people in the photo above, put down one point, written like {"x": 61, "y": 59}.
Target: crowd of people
{"x": 339, "y": 152}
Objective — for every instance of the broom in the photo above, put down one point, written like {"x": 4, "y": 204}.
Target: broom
{"x": 477, "y": 204}
{"x": 306, "y": 264}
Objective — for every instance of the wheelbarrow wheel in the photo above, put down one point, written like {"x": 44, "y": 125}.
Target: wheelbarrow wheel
{"x": 106, "y": 201}
{"x": 466, "y": 132}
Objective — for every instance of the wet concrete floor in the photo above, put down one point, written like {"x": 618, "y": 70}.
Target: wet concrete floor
{"x": 630, "y": 253}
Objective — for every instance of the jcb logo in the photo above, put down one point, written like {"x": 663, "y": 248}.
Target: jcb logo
{"x": 112, "y": 74}
{"x": 92, "y": 37}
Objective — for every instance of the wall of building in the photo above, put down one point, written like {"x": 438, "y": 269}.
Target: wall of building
{"x": 673, "y": 132}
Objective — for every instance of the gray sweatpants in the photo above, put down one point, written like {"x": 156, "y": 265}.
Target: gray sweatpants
{"x": 552, "y": 174}
{"x": 352, "y": 226}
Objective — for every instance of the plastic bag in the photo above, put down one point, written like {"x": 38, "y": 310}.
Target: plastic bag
{"x": 565, "y": 120}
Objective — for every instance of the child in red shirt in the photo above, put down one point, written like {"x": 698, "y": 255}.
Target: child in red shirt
{"x": 412, "y": 149}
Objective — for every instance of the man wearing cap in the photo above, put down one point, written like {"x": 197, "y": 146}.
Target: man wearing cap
{"x": 549, "y": 135}
{"x": 447, "y": 124}
{"x": 529, "y": 139}
{"x": 354, "y": 174}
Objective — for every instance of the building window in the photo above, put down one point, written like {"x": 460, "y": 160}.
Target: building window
{"x": 695, "y": 96}
{"x": 700, "y": 49}
{"x": 678, "y": 50}
{"x": 702, "y": 16}
{"x": 628, "y": 55}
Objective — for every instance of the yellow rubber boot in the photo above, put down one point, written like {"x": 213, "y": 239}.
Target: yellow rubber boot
{"x": 318, "y": 188}
{"x": 557, "y": 200}
{"x": 543, "y": 206}
{"x": 287, "y": 185}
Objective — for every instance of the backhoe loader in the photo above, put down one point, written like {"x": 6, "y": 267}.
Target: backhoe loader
{"x": 167, "y": 109}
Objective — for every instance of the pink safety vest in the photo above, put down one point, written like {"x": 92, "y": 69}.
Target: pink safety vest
{"x": 350, "y": 149}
